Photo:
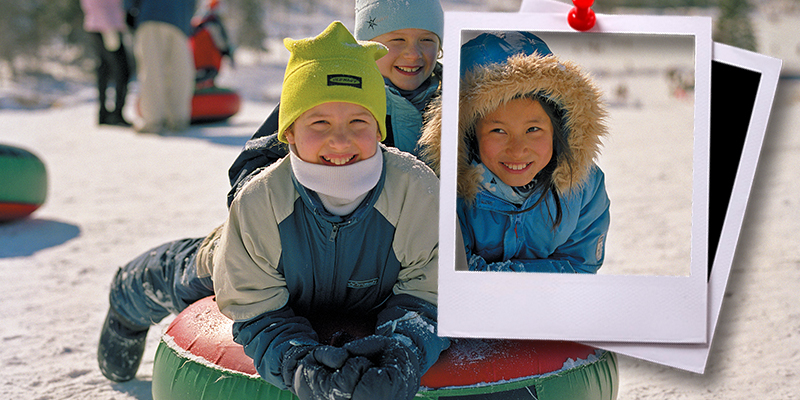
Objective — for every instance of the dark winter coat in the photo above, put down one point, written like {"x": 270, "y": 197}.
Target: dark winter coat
{"x": 283, "y": 261}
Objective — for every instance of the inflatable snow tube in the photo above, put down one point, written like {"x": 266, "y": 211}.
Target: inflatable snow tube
{"x": 198, "y": 359}
{"x": 23, "y": 183}
{"x": 214, "y": 104}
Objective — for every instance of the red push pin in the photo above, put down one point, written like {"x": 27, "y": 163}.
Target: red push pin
{"x": 581, "y": 17}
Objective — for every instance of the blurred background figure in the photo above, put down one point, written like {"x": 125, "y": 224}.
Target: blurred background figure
{"x": 209, "y": 44}
{"x": 165, "y": 66}
{"x": 104, "y": 21}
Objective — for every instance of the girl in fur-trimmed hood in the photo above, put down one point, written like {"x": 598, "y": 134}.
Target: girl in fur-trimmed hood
{"x": 530, "y": 196}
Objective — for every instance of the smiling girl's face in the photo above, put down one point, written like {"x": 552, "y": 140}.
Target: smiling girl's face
{"x": 335, "y": 133}
{"x": 412, "y": 56}
{"x": 515, "y": 141}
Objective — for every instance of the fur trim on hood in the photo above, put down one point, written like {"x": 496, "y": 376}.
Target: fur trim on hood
{"x": 483, "y": 89}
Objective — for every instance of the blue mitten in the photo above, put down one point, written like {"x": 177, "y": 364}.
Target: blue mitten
{"x": 395, "y": 373}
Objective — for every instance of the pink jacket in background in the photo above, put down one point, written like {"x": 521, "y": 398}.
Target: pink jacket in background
{"x": 103, "y": 15}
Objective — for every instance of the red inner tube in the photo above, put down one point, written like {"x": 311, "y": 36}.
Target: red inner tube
{"x": 205, "y": 332}
{"x": 214, "y": 104}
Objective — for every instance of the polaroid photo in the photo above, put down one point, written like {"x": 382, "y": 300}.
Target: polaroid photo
{"x": 743, "y": 86}
{"x": 655, "y": 74}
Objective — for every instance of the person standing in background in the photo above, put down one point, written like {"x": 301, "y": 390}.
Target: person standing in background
{"x": 164, "y": 63}
{"x": 104, "y": 22}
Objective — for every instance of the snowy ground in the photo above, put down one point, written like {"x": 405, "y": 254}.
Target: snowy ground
{"x": 114, "y": 194}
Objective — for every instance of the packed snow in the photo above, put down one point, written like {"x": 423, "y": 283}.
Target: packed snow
{"x": 114, "y": 194}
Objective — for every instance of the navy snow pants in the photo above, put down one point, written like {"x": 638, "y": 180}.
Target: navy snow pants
{"x": 160, "y": 282}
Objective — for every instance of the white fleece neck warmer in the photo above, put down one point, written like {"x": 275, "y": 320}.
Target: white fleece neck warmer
{"x": 341, "y": 189}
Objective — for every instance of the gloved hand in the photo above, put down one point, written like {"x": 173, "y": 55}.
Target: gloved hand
{"x": 395, "y": 373}
{"x": 328, "y": 372}
{"x": 291, "y": 358}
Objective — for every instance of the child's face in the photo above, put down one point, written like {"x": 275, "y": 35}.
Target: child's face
{"x": 335, "y": 133}
{"x": 411, "y": 58}
{"x": 515, "y": 141}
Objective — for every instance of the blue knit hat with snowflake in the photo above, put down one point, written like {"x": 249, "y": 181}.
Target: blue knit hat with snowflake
{"x": 376, "y": 17}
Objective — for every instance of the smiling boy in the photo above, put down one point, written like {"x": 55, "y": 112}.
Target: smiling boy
{"x": 342, "y": 230}
{"x": 412, "y": 30}
{"x": 330, "y": 232}
{"x": 412, "y": 56}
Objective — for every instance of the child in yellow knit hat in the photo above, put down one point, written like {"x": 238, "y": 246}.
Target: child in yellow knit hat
{"x": 412, "y": 31}
{"x": 325, "y": 234}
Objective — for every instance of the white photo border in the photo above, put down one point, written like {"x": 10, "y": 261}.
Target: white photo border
{"x": 607, "y": 308}
{"x": 694, "y": 357}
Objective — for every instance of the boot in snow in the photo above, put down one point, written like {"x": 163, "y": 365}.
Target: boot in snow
{"x": 121, "y": 348}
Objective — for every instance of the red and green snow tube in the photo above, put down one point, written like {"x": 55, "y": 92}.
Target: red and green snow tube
{"x": 23, "y": 183}
{"x": 197, "y": 359}
{"x": 211, "y": 104}
{"x": 214, "y": 104}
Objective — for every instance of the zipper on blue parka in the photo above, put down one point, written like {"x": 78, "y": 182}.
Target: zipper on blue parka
{"x": 334, "y": 231}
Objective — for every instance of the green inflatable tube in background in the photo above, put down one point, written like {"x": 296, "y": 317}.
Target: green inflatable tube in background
{"x": 23, "y": 182}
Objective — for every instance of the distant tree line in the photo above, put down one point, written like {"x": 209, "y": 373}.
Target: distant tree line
{"x": 610, "y": 5}
{"x": 28, "y": 26}
{"x": 246, "y": 18}
{"x": 732, "y": 25}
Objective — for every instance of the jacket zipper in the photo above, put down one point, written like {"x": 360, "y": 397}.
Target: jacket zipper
{"x": 334, "y": 232}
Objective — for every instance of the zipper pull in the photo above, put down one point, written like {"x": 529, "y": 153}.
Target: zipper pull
{"x": 334, "y": 231}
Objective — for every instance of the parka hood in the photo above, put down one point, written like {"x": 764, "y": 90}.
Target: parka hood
{"x": 486, "y": 87}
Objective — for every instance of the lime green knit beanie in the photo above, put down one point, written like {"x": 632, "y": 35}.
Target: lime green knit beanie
{"x": 332, "y": 67}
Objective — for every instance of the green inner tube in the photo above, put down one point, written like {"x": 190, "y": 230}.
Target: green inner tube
{"x": 177, "y": 374}
{"x": 23, "y": 177}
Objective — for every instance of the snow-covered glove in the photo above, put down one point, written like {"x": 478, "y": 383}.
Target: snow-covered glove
{"x": 395, "y": 373}
{"x": 478, "y": 263}
{"x": 328, "y": 373}
{"x": 291, "y": 358}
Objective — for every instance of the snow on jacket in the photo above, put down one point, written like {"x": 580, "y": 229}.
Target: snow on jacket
{"x": 504, "y": 236}
{"x": 403, "y": 121}
{"x": 175, "y": 12}
{"x": 281, "y": 259}
{"x": 103, "y": 16}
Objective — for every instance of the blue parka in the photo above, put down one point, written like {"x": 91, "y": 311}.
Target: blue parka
{"x": 498, "y": 237}
{"x": 504, "y": 235}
